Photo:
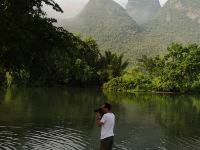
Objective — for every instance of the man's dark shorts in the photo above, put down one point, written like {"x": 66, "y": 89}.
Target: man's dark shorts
{"x": 107, "y": 143}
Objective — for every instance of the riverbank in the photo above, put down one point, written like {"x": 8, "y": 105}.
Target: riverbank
{"x": 123, "y": 85}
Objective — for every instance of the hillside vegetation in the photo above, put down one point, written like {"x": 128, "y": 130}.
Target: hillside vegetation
{"x": 177, "y": 21}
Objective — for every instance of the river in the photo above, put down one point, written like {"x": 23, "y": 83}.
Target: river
{"x": 61, "y": 118}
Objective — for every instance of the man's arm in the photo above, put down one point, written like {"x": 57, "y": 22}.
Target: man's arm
{"x": 99, "y": 123}
{"x": 98, "y": 120}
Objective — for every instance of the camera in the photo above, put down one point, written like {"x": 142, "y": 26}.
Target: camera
{"x": 99, "y": 110}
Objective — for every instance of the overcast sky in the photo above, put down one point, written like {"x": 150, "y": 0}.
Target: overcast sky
{"x": 72, "y": 7}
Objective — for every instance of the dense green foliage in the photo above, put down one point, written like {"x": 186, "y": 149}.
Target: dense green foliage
{"x": 177, "y": 71}
{"x": 33, "y": 51}
{"x": 131, "y": 81}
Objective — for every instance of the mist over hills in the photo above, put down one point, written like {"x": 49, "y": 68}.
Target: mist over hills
{"x": 143, "y": 10}
{"x": 110, "y": 24}
{"x": 177, "y": 21}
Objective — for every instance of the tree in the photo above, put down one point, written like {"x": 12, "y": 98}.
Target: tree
{"x": 37, "y": 52}
{"x": 27, "y": 36}
{"x": 111, "y": 65}
{"x": 177, "y": 70}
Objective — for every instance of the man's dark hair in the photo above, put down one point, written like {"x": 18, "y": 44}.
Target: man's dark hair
{"x": 107, "y": 105}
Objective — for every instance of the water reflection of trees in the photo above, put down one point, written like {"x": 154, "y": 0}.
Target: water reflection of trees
{"x": 51, "y": 105}
{"x": 178, "y": 115}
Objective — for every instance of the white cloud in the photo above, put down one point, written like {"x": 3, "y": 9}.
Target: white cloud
{"x": 71, "y": 8}
{"x": 122, "y": 2}
{"x": 162, "y": 2}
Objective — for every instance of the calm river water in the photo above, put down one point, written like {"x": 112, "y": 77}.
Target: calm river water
{"x": 63, "y": 119}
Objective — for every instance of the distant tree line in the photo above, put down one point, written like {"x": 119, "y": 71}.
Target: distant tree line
{"x": 177, "y": 71}
{"x": 35, "y": 52}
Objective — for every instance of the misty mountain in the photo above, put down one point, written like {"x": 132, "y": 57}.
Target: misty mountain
{"x": 177, "y": 21}
{"x": 107, "y": 22}
{"x": 113, "y": 29}
{"x": 143, "y": 10}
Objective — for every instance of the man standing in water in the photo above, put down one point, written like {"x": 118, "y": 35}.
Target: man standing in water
{"x": 106, "y": 123}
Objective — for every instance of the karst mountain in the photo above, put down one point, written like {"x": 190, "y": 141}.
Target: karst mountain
{"x": 107, "y": 22}
{"x": 177, "y": 21}
{"x": 143, "y": 28}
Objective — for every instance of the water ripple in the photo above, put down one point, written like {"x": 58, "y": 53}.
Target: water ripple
{"x": 57, "y": 138}
{"x": 189, "y": 143}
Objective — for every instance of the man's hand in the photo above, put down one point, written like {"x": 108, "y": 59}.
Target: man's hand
{"x": 98, "y": 115}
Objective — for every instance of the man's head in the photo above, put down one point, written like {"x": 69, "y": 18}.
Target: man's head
{"x": 106, "y": 107}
